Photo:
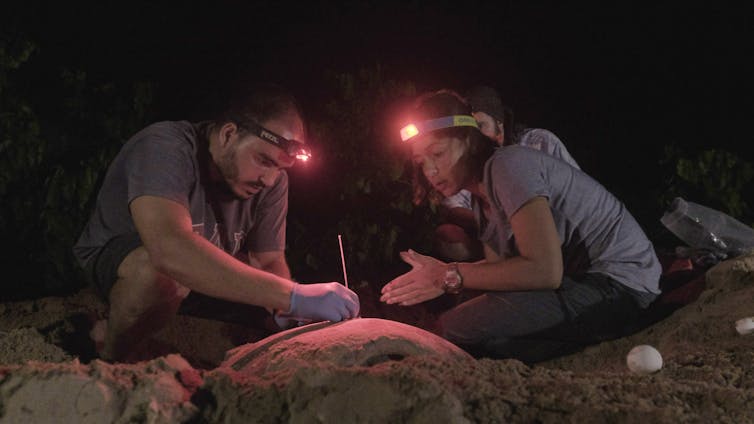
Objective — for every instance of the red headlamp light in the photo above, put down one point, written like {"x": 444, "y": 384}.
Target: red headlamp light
{"x": 412, "y": 130}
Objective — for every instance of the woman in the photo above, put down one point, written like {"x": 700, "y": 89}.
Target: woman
{"x": 565, "y": 265}
{"x": 454, "y": 235}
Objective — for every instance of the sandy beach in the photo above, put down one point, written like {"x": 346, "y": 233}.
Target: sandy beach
{"x": 49, "y": 371}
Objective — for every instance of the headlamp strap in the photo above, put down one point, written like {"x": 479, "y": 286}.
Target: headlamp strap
{"x": 293, "y": 148}
{"x": 412, "y": 130}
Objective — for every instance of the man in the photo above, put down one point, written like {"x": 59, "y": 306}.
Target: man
{"x": 496, "y": 122}
{"x": 202, "y": 206}
{"x": 456, "y": 235}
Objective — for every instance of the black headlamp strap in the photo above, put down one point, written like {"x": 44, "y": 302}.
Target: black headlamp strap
{"x": 291, "y": 147}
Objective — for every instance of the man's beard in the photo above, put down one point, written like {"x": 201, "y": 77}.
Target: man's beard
{"x": 226, "y": 165}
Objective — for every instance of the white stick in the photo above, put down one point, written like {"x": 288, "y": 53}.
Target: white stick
{"x": 343, "y": 260}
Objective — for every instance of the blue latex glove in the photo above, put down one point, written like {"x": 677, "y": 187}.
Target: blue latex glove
{"x": 323, "y": 302}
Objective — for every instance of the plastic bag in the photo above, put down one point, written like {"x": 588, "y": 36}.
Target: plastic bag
{"x": 708, "y": 229}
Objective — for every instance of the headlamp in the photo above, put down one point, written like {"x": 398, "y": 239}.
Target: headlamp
{"x": 292, "y": 147}
{"x": 412, "y": 130}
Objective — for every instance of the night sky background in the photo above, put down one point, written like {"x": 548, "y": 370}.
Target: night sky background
{"x": 616, "y": 81}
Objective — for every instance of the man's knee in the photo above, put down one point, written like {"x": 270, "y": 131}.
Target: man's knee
{"x": 137, "y": 276}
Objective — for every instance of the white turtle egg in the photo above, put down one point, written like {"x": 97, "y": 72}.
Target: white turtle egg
{"x": 644, "y": 359}
{"x": 745, "y": 325}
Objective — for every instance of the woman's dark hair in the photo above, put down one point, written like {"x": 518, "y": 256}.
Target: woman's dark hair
{"x": 442, "y": 103}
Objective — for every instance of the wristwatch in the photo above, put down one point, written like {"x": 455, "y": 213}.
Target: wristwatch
{"x": 453, "y": 282}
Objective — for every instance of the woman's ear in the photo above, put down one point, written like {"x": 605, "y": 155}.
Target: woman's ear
{"x": 467, "y": 143}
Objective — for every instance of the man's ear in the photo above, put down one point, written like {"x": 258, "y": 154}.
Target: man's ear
{"x": 226, "y": 133}
{"x": 501, "y": 128}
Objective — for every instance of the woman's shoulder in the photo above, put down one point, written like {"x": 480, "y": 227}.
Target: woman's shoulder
{"x": 512, "y": 160}
{"x": 513, "y": 152}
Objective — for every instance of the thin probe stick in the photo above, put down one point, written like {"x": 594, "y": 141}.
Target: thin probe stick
{"x": 343, "y": 260}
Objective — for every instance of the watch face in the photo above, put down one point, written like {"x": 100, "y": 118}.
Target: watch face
{"x": 453, "y": 282}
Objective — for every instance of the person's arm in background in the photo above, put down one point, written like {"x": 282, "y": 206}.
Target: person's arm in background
{"x": 456, "y": 234}
{"x": 462, "y": 217}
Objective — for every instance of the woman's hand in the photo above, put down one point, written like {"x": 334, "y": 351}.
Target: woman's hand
{"x": 422, "y": 283}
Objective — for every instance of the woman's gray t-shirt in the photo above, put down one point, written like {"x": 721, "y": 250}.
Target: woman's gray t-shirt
{"x": 535, "y": 138}
{"x": 597, "y": 233}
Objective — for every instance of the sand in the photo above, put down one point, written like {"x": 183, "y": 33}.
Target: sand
{"x": 49, "y": 371}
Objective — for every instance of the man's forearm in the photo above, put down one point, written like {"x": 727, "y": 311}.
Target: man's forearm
{"x": 201, "y": 266}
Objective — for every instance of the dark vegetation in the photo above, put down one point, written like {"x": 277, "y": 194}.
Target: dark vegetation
{"x": 62, "y": 121}
{"x": 57, "y": 143}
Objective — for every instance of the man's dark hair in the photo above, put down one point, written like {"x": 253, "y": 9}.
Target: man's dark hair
{"x": 257, "y": 103}
{"x": 486, "y": 99}
{"x": 442, "y": 103}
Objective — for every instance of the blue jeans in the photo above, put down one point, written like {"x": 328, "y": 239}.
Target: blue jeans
{"x": 533, "y": 326}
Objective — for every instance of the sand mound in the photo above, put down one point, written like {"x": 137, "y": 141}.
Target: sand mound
{"x": 708, "y": 373}
{"x": 331, "y": 372}
{"x": 158, "y": 391}
{"x": 360, "y": 342}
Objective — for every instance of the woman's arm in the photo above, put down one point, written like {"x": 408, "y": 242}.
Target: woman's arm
{"x": 538, "y": 267}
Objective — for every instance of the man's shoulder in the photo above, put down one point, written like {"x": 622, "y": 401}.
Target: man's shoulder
{"x": 538, "y": 135}
{"x": 168, "y": 128}
{"x": 547, "y": 142}
{"x": 174, "y": 133}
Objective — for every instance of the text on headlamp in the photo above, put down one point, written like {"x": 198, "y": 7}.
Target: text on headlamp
{"x": 292, "y": 147}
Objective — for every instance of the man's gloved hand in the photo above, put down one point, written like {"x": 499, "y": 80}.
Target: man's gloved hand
{"x": 284, "y": 320}
{"x": 323, "y": 302}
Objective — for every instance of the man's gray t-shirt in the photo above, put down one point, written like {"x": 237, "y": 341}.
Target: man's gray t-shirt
{"x": 547, "y": 142}
{"x": 167, "y": 159}
{"x": 597, "y": 233}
